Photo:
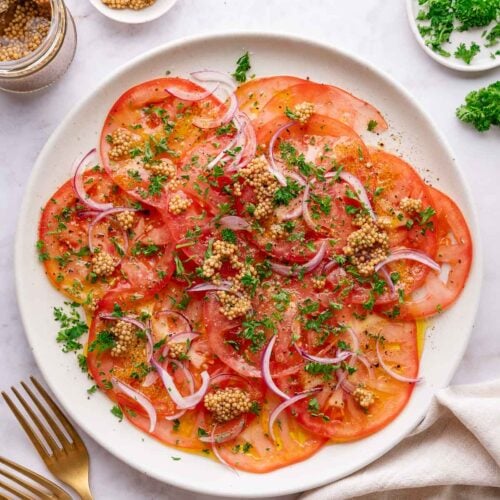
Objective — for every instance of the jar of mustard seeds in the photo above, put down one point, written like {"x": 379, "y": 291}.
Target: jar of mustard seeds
{"x": 37, "y": 43}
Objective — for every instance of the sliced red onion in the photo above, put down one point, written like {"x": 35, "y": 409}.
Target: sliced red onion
{"x": 187, "y": 374}
{"x": 407, "y": 254}
{"x": 126, "y": 319}
{"x": 103, "y": 215}
{"x": 189, "y": 96}
{"x": 142, "y": 400}
{"x": 273, "y": 167}
{"x": 309, "y": 266}
{"x": 250, "y": 143}
{"x": 343, "y": 382}
{"x": 392, "y": 373}
{"x": 182, "y": 402}
{"x": 223, "y": 377}
{"x": 266, "y": 369}
{"x": 305, "y": 208}
{"x": 217, "y": 453}
{"x": 224, "y": 286}
{"x": 283, "y": 406}
{"x": 222, "y": 154}
{"x": 175, "y": 416}
{"x": 227, "y": 435}
{"x": 204, "y": 123}
{"x": 343, "y": 355}
{"x": 208, "y": 75}
{"x": 354, "y": 339}
{"x": 387, "y": 278}
{"x": 358, "y": 187}
{"x": 235, "y": 223}
{"x": 149, "y": 379}
{"x": 329, "y": 266}
{"x": 297, "y": 211}
{"x": 189, "y": 326}
{"x": 183, "y": 337}
{"x": 78, "y": 169}
{"x": 367, "y": 364}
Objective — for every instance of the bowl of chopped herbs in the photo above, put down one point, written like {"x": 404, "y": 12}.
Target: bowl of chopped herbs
{"x": 461, "y": 34}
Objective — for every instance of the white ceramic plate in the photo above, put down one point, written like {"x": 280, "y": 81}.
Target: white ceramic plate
{"x": 130, "y": 16}
{"x": 481, "y": 62}
{"x": 411, "y": 133}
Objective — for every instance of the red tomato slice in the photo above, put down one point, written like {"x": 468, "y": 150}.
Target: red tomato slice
{"x": 63, "y": 238}
{"x": 254, "y": 451}
{"x": 159, "y": 127}
{"x": 328, "y": 100}
{"x": 454, "y": 253}
{"x": 323, "y": 142}
{"x": 255, "y": 94}
{"x": 335, "y": 413}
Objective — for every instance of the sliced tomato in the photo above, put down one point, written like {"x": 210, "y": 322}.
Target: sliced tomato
{"x": 335, "y": 413}
{"x": 254, "y": 451}
{"x": 328, "y": 100}
{"x": 255, "y": 94}
{"x": 161, "y": 128}
{"x": 63, "y": 238}
{"x": 321, "y": 142}
{"x": 454, "y": 253}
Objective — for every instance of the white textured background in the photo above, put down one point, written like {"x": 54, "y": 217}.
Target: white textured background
{"x": 374, "y": 29}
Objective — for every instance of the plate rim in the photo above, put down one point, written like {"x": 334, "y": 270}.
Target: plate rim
{"x": 449, "y": 63}
{"x": 222, "y": 36}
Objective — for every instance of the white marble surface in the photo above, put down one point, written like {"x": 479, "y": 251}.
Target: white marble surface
{"x": 374, "y": 29}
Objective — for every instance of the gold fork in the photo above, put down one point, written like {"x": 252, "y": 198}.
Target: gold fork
{"x": 67, "y": 460}
{"x": 48, "y": 489}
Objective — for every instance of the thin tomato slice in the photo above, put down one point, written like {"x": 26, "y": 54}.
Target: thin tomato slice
{"x": 328, "y": 100}
{"x": 63, "y": 238}
{"x": 157, "y": 127}
{"x": 335, "y": 412}
{"x": 255, "y": 94}
{"x": 254, "y": 451}
{"x": 454, "y": 253}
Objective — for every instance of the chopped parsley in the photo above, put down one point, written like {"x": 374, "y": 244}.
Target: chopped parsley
{"x": 285, "y": 194}
{"x": 117, "y": 412}
{"x": 104, "y": 341}
{"x": 467, "y": 54}
{"x": 242, "y": 67}
{"x": 482, "y": 107}
{"x": 372, "y": 125}
{"x": 72, "y": 327}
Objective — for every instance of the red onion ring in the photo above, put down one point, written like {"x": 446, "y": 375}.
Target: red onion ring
{"x": 325, "y": 361}
{"x": 187, "y": 374}
{"x": 182, "y": 402}
{"x": 126, "y": 319}
{"x": 297, "y": 211}
{"x": 273, "y": 167}
{"x": 358, "y": 188}
{"x": 205, "y": 123}
{"x": 283, "y": 406}
{"x": 224, "y": 286}
{"x": 221, "y": 155}
{"x": 208, "y": 75}
{"x": 392, "y": 373}
{"x": 217, "y": 453}
{"x": 235, "y": 223}
{"x": 189, "y": 96}
{"x": 141, "y": 400}
{"x": 225, "y": 436}
{"x": 309, "y": 266}
{"x": 407, "y": 254}
{"x": 189, "y": 326}
{"x": 343, "y": 382}
{"x": 103, "y": 215}
{"x": 355, "y": 340}
{"x": 367, "y": 364}
{"x": 387, "y": 278}
{"x": 250, "y": 145}
{"x": 266, "y": 369}
{"x": 77, "y": 181}
{"x": 149, "y": 379}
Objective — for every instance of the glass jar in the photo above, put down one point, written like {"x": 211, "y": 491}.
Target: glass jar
{"x": 49, "y": 61}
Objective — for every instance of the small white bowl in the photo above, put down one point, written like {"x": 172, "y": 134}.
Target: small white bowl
{"x": 481, "y": 62}
{"x": 130, "y": 16}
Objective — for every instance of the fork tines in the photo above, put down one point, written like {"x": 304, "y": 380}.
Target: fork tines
{"x": 50, "y": 427}
{"x": 26, "y": 484}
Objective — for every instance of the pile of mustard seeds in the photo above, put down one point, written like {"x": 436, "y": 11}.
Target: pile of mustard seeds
{"x": 128, "y": 4}
{"x": 24, "y": 24}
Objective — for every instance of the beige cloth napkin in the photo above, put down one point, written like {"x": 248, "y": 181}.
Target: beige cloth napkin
{"x": 453, "y": 454}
